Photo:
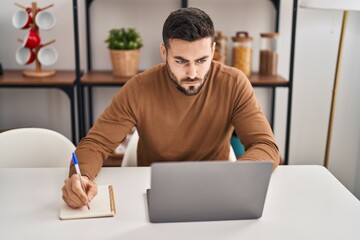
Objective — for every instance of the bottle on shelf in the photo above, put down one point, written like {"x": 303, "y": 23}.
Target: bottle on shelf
{"x": 220, "y": 47}
{"x": 242, "y": 52}
{"x": 268, "y": 53}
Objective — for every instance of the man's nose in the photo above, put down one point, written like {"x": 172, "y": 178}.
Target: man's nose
{"x": 191, "y": 71}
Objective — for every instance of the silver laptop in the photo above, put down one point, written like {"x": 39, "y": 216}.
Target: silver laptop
{"x": 207, "y": 191}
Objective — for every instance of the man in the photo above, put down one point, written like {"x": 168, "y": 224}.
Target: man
{"x": 184, "y": 109}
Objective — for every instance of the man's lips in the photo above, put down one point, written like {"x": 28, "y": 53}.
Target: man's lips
{"x": 190, "y": 81}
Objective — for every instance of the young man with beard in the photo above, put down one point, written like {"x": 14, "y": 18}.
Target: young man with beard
{"x": 184, "y": 109}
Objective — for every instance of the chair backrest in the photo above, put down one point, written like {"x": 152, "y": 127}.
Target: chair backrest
{"x": 34, "y": 147}
{"x": 130, "y": 155}
{"x": 232, "y": 156}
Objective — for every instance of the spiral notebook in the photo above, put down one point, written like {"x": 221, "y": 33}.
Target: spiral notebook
{"x": 103, "y": 205}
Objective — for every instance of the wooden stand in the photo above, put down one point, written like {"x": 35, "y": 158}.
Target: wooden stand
{"x": 38, "y": 72}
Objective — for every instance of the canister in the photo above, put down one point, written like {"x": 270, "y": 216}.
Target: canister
{"x": 242, "y": 52}
{"x": 220, "y": 47}
{"x": 268, "y": 53}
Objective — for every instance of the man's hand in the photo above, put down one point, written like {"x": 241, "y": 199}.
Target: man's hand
{"x": 73, "y": 194}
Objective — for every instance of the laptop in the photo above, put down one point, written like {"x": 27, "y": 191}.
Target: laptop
{"x": 208, "y": 191}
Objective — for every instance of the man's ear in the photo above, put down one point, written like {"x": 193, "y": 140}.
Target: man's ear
{"x": 163, "y": 52}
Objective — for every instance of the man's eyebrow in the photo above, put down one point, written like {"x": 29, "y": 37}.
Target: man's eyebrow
{"x": 183, "y": 59}
{"x": 203, "y": 58}
{"x": 180, "y": 58}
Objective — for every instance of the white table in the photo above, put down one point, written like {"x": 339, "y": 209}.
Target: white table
{"x": 303, "y": 202}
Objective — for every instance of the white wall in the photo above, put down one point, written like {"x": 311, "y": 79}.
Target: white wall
{"x": 315, "y": 56}
{"x": 345, "y": 154}
{"x": 317, "y": 42}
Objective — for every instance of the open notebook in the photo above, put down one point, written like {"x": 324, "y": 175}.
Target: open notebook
{"x": 103, "y": 205}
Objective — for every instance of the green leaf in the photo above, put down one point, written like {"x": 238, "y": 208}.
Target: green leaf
{"x": 124, "y": 39}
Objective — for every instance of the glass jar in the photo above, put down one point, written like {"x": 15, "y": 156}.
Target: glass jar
{"x": 220, "y": 47}
{"x": 242, "y": 52}
{"x": 268, "y": 54}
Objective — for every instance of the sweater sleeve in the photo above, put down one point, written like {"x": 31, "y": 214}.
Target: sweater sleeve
{"x": 109, "y": 130}
{"x": 251, "y": 126}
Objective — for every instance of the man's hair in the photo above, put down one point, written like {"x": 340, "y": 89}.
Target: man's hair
{"x": 189, "y": 24}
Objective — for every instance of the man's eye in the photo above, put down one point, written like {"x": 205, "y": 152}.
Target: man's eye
{"x": 180, "y": 61}
{"x": 201, "y": 61}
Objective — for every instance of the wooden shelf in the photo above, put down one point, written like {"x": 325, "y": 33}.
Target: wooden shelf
{"x": 16, "y": 78}
{"x": 62, "y": 80}
{"x": 102, "y": 78}
{"x": 105, "y": 78}
{"x": 257, "y": 79}
{"x": 113, "y": 160}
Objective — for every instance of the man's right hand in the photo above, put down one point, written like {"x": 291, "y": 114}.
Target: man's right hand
{"x": 74, "y": 195}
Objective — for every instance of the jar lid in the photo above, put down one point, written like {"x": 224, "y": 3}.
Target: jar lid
{"x": 220, "y": 36}
{"x": 269, "y": 35}
{"x": 242, "y": 37}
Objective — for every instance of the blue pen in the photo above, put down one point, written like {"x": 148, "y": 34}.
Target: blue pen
{"x": 76, "y": 164}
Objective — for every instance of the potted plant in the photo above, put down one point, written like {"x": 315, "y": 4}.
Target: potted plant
{"x": 124, "y": 45}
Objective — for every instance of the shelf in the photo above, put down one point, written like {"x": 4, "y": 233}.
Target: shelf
{"x": 102, "y": 78}
{"x": 114, "y": 160}
{"x": 15, "y": 78}
{"x": 63, "y": 80}
{"x": 105, "y": 78}
{"x": 258, "y": 80}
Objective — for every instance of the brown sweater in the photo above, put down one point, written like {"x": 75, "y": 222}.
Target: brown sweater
{"x": 176, "y": 127}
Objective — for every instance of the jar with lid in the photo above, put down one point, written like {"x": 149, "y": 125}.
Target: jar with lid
{"x": 220, "y": 47}
{"x": 268, "y": 53}
{"x": 242, "y": 52}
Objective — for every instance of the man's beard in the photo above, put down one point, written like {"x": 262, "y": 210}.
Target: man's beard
{"x": 192, "y": 90}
